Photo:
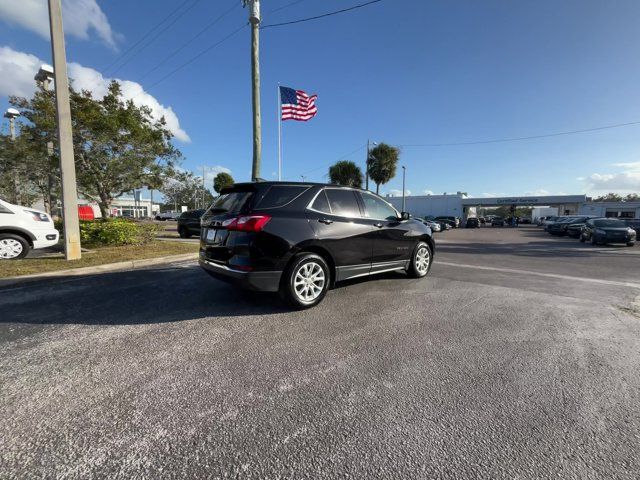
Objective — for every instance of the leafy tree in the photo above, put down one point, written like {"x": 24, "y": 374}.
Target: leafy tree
{"x": 632, "y": 197}
{"x": 116, "y": 143}
{"x": 346, "y": 173}
{"x": 382, "y": 164}
{"x": 184, "y": 188}
{"x": 609, "y": 197}
{"x": 221, "y": 181}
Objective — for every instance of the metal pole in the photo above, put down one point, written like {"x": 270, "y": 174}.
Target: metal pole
{"x": 204, "y": 185}
{"x": 279, "y": 134}
{"x": 254, "y": 19}
{"x": 404, "y": 206}
{"x": 65, "y": 138}
{"x": 366, "y": 168}
{"x": 16, "y": 175}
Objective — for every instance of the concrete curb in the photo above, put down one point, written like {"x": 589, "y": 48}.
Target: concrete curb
{"x": 107, "y": 267}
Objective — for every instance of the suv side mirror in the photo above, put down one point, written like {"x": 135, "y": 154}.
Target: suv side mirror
{"x": 405, "y": 216}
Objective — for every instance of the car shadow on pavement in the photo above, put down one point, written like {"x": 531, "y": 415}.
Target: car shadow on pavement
{"x": 132, "y": 298}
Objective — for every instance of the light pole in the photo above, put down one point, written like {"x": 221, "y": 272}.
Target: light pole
{"x": 44, "y": 78}
{"x": 254, "y": 19}
{"x": 366, "y": 165}
{"x": 11, "y": 114}
{"x": 404, "y": 172}
{"x": 65, "y": 136}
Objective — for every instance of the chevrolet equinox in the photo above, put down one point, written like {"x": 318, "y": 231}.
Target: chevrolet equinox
{"x": 298, "y": 239}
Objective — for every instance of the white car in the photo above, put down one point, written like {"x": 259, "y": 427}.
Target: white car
{"x": 168, "y": 216}
{"x": 23, "y": 229}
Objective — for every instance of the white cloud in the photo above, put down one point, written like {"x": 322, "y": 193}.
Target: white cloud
{"x": 17, "y": 70}
{"x": 398, "y": 193}
{"x": 540, "y": 192}
{"x": 81, "y": 17}
{"x": 428, "y": 192}
{"x": 211, "y": 172}
{"x": 627, "y": 181}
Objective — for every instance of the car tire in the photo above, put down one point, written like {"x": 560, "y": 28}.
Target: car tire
{"x": 183, "y": 232}
{"x": 582, "y": 239}
{"x": 417, "y": 266}
{"x": 630, "y": 244}
{"x": 13, "y": 247}
{"x": 593, "y": 240}
{"x": 305, "y": 281}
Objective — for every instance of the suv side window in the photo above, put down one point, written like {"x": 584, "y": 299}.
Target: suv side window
{"x": 280, "y": 195}
{"x": 321, "y": 204}
{"x": 378, "y": 208}
{"x": 343, "y": 202}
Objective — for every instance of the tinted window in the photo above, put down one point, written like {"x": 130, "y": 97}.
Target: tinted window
{"x": 321, "y": 204}
{"x": 280, "y": 195}
{"x": 343, "y": 202}
{"x": 233, "y": 202}
{"x": 378, "y": 208}
{"x": 609, "y": 224}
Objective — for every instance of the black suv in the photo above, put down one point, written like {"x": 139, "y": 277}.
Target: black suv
{"x": 189, "y": 223}
{"x": 300, "y": 238}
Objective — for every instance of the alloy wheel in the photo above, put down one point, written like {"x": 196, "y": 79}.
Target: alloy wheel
{"x": 10, "y": 248}
{"x": 423, "y": 259}
{"x": 309, "y": 281}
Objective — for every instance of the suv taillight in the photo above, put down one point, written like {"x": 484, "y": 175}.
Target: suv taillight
{"x": 247, "y": 223}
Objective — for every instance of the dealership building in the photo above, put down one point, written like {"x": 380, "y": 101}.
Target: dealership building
{"x": 460, "y": 205}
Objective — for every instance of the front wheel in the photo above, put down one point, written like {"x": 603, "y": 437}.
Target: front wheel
{"x": 183, "y": 232}
{"x": 305, "y": 282}
{"x": 630, "y": 244}
{"x": 582, "y": 239}
{"x": 420, "y": 263}
{"x": 13, "y": 247}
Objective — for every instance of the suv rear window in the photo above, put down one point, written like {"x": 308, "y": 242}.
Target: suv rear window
{"x": 343, "y": 202}
{"x": 232, "y": 202}
{"x": 280, "y": 195}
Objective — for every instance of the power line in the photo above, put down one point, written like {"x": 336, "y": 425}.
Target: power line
{"x": 320, "y": 16}
{"x": 194, "y": 58}
{"x": 146, "y": 35}
{"x": 342, "y": 157}
{"x": 175, "y": 20}
{"x": 285, "y": 6}
{"x": 517, "y": 139}
{"x": 191, "y": 40}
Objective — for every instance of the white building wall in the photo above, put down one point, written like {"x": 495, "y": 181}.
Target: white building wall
{"x": 603, "y": 209}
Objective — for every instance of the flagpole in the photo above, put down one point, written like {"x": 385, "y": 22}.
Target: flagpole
{"x": 279, "y": 134}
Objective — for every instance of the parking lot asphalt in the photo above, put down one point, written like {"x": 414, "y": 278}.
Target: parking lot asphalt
{"x": 517, "y": 357}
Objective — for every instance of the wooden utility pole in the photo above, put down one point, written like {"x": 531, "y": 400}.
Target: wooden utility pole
{"x": 254, "y": 19}
{"x": 65, "y": 137}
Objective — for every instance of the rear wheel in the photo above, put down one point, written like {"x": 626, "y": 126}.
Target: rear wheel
{"x": 593, "y": 240}
{"x": 13, "y": 247}
{"x": 306, "y": 281}
{"x": 184, "y": 232}
{"x": 420, "y": 263}
{"x": 630, "y": 244}
{"x": 582, "y": 239}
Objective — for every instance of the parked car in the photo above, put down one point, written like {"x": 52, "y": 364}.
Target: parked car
{"x": 633, "y": 223}
{"x": 472, "y": 222}
{"x": 168, "y": 216}
{"x": 601, "y": 231}
{"x": 561, "y": 227}
{"x": 434, "y": 226}
{"x": 482, "y": 220}
{"x": 299, "y": 239}
{"x": 453, "y": 221}
{"x": 497, "y": 222}
{"x": 549, "y": 221}
{"x": 23, "y": 229}
{"x": 525, "y": 220}
{"x": 444, "y": 225}
{"x": 189, "y": 223}
{"x": 574, "y": 227}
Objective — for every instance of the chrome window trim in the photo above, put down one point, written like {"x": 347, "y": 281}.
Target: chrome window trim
{"x": 322, "y": 189}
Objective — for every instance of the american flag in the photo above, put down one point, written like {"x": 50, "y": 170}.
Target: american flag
{"x": 297, "y": 105}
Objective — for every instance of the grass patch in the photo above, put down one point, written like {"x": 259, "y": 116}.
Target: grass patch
{"x": 98, "y": 256}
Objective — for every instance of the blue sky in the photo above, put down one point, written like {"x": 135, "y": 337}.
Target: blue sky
{"x": 406, "y": 73}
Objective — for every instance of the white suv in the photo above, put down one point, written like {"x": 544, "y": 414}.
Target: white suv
{"x": 24, "y": 228}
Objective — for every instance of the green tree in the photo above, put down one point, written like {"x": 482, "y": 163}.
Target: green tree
{"x": 346, "y": 173}
{"x": 609, "y": 197}
{"x": 116, "y": 143}
{"x": 632, "y": 197}
{"x": 184, "y": 188}
{"x": 221, "y": 181}
{"x": 382, "y": 164}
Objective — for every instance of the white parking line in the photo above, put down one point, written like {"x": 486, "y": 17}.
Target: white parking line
{"x": 541, "y": 274}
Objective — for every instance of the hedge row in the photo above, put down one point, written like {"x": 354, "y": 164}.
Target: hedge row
{"x": 115, "y": 231}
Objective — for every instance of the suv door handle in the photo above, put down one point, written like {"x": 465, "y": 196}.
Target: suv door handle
{"x": 326, "y": 221}
{"x": 379, "y": 225}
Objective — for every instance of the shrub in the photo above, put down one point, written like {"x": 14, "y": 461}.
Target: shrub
{"x": 114, "y": 231}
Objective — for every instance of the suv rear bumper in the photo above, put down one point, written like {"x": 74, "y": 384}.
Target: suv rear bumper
{"x": 258, "y": 281}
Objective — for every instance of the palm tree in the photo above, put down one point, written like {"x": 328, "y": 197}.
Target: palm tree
{"x": 346, "y": 173}
{"x": 382, "y": 166}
